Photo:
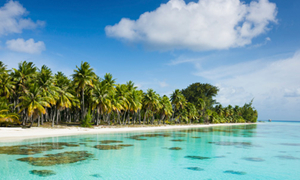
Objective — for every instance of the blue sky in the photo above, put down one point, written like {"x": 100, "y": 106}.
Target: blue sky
{"x": 249, "y": 49}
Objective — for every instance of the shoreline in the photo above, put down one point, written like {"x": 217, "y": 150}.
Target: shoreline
{"x": 19, "y": 134}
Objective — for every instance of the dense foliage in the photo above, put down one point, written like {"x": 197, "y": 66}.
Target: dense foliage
{"x": 32, "y": 95}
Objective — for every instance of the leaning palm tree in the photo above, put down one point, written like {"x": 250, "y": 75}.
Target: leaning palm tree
{"x": 34, "y": 103}
{"x": 82, "y": 77}
{"x": 178, "y": 101}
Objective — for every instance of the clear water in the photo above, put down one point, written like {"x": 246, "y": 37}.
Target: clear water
{"x": 263, "y": 151}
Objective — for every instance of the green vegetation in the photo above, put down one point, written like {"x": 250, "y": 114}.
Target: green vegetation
{"x": 29, "y": 96}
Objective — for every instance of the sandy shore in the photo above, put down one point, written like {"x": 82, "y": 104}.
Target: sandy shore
{"x": 19, "y": 134}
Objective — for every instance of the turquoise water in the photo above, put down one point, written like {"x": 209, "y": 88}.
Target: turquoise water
{"x": 262, "y": 151}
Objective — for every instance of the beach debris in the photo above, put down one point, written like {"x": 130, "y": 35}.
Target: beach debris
{"x": 195, "y": 168}
{"x": 197, "y": 157}
{"x": 110, "y": 141}
{"x": 42, "y": 173}
{"x": 254, "y": 159}
{"x": 235, "y": 172}
{"x": 60, "y": 158}
{"x": 175, "y": 148}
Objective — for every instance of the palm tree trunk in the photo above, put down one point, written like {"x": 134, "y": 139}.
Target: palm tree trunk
{"x": 152, "y": 121}
{"x": 144, "y": 117}
{"x": 38, "y": 123}
{"x": 31, "y": 121}
{"x": 53, "y": 116}
{"x": 57, "y": 116}
{"x": 139, "y": 111}
{"x": 82, "y": 103}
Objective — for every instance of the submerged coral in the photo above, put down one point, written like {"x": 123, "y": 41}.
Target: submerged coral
{"x": 34, "y": 148}
{"x": 197, "y": 157}
{"x": 42, "y": 173}
{"x": 235, "y": 172}
{"x": 60, "y": 158}
{"x": 254, "y": 159}
{"x": 195, "y": 168}
{"x": 177, "y": 140}
{"x": 110, "y": 141}
{"x": 175, "y": 148}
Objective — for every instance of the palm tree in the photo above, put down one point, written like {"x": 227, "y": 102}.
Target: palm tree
{"x": 165, "y": 108}
{"x": 7, "y": 86}
{"x": 83, "y": 76}
{"x": 6, "y": 117}
{"x": 34, "y": 103}
{"x": 178, "y": 101}
{"x": 100, "y": 97}
{"x": 192, "y": 111}
{"x": 150, "y": 102}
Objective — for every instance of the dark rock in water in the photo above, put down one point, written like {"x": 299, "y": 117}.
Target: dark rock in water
{"x": 235, "y": 172}
{"x": 196, "y": 137}
{"x": 96, "y": 175}
{"x": 60, "y": 158}
{"x": 288, "y": 157}
{"x": 177, "y": 140}
{"x": 108, "y": 147}
{"x": 197, "y": 157}
{"x": 110, "y": 141}
{"x": 175, "y": 148}
{"x": 290, "y": 144}
{"x": 42, "y": 173}
{"x": 254, "y": 159}
{"x": 195, "y": 168}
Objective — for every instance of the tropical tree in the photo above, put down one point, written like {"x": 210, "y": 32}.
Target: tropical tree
{"x": 33, "y": 103}
{"x": 83, "y": 76}
{"x": 150, "y": 102}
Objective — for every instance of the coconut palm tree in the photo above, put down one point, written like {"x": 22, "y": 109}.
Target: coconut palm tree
{"x": 100, "y": 97}
{"x": 150, "y": 103}
{"x": 83, "y": 76}
{"x": 7, "y": 86}
{"x": 178, "y": 101}
{"x": 192, "y": 111}
{"x": 34, "y": 103}
{"x": 165, "y": 108}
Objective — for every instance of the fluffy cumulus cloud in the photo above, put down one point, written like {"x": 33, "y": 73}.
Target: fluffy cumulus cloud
{"x": 12, "y": 19}
{"x": 29, "y": 46}
{"x": 204, "y": 25}
{"x": 273, "y": 85}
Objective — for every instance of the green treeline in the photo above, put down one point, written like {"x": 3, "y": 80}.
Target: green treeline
{"x": 32, "y": 95}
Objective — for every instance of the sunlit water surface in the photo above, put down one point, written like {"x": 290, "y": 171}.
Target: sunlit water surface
{"x": 262, "y": 151}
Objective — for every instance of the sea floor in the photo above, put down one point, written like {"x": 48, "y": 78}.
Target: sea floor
{"x": 257, "y": 151}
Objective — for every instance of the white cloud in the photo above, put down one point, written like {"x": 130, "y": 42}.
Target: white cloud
{"x": 12, "y": 19}
{"x": 163, "y": 84}
{"x": 29, "y": 46}
{"x": 273, "y": 85}
{"x": 205, "y": 25}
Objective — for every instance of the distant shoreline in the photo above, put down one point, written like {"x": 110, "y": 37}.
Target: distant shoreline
{"x": 19, "y": 134}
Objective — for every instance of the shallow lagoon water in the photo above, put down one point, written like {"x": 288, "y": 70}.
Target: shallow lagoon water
{"x": 262, "y": 151}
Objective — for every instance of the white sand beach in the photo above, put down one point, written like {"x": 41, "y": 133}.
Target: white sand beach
{"x": 19, "y": 134}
